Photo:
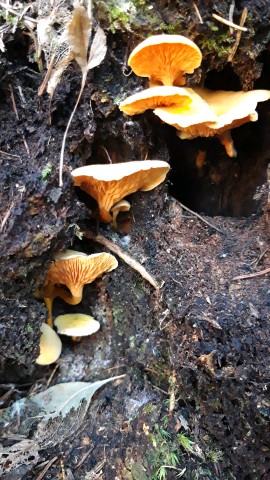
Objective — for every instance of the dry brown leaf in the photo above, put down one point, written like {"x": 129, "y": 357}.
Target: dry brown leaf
{"x": 79, "y": 31}
{"x": 98, "y": 49}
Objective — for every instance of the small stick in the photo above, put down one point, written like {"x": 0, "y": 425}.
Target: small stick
{"x": 26, "y": 146}
{"x": 47, "y": 76}
{"x": 42, "y": 474}
{"x": 6, "y": 217}
{"x": 231, "y": 10}
{"x": 9, "y": 154}
{"x": 238, "y": 35}
{"x": 201, "y": 218}
{"x": 13, "y": 102}
{"x": 19, "y": 14}
{"x": 52, "y": 375}
{"x": 197, "y": 12}
{"x": 84, "y": 457}
{"x": 253, "y": 275}
{"x": 127, "y": 259}
{"x": 228, "y": 23}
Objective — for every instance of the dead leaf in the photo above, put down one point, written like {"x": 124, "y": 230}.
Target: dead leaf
{"x": 98, "y": 49}
{"x": 48, "y": 418}
{"x": 79, "y": 32}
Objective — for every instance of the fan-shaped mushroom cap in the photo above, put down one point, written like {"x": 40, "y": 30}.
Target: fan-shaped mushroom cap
{"x": 75, "y": 269}
{"x": 76, "y": 324}
{"x": 155, "y": 98}
{"x": 50, "y": 346}
{"x": 108, "y": 184}
{"x": 165, "y": 59}
{"x": 232, "y": 108}
{"x": 195, "y": 120}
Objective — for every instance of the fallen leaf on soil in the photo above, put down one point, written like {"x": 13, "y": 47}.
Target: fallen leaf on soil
{"x": 53, "y": 415}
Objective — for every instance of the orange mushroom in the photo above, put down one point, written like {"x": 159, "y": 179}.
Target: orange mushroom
{"x": 229, "y": 110}
{"x": 165, "y": 59}
{"x": 155, "y": 98}
{"x": 108, "y": 184}
{"x": 74, "y": 270}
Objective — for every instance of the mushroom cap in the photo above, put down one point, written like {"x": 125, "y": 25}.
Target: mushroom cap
{"x": 165, "y": 58}
{"x": 108, "y": 184}
{"x": 155, "y": 98}
{"x": 75, "y": 269}
{"x": 233, "y": 108}
{"x": 50, "y": 346}
{"x": 76, "y": 324}
{"x": 195, "y": 120}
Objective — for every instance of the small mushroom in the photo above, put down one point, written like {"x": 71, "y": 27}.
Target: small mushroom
{"x": 155, "y": 98}
{"x": 108, "y": 184}
{"x": 76, "y": 325}
{"x": 50, "y": 346}
{"x": 74, "y": 270}
{"x": 165, "y": 59}
{"x": 122, "y": 206}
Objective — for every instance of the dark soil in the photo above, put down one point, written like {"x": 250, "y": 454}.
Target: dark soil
{"x": 196, "y": 352}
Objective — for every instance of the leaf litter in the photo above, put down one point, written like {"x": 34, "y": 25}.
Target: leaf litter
{"x": 43, "y": 420}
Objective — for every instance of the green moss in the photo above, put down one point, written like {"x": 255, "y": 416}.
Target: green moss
{"x": 135, "y": 15}
{"x": 216, "y": 42}
{"x": 119, "y": 315}
{"x": 46, "y": 172}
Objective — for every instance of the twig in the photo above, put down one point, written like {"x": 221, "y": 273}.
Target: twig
{"x": 197, "y": 12}
{"x": 201, "y": 218}
{"x": 13, "y": 102}
{"x": 47, "y": 76}
{"x": 84, "y": 457}
{"x": 172, "y": 390}
{"x": 9, "y": 154}
{"x": 238, "y": 35}
{"x": 127, "y": 259}
{"x": 18, "y": 14}
{"x": 257, "y": 260}
{"x": 42, "y": 474}
{"x": 6, "y": 217}
{"x": 26, "y": 145}
{"x": 253, "y": 275}
{"x": 228, "y": 23}
{"x": 52, "y": 375}
{"x": 231, "y": 10}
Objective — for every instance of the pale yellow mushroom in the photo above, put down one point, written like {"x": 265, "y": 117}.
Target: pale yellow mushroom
{"x": 76, "y": 325}
{"x": 50, "y": 346}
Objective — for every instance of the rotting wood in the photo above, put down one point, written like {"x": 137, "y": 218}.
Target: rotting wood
{"x": 124, "y": 256}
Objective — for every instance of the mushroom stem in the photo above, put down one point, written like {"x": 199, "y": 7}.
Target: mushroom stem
{"x": 49, "y": 303}
{"x": 72, "y": 299}
{"x": 226, "y": 140}
{"x": 105, "y": 215}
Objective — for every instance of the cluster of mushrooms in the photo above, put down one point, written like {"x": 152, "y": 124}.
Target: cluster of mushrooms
{"x": 194, "y": 112}
{"x": 71, "y": 270}
{"x": 164, "y": 59}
